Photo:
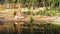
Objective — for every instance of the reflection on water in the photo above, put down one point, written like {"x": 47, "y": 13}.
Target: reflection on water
{"x": 1, "y": 21}
{"x": 11, "y": 28}
{"x": 20, "y": 28}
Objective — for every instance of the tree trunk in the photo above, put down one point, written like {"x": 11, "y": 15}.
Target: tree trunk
{"x": 44, "y": 3}
{"x": 59, "y": 4}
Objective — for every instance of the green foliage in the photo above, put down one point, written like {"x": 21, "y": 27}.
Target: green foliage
{"x": 24, "y": 12}
{"x": 29, "y": 12}
{"x": 47, "y": 8}
{"x": 31, "y": 22}
{"x": 39, "y": 12}
{"x": 29, "y": 7}
{"x": 22, "y": 1}
{"x": 58, "y": 9}
{"x": 2, "y": 1}
{"x": 46, "y": 13}
{"x": 50, "y": 0}
{"x": 9, "y": 1}
{"x": 31, "y": 19}
{"x": 49, "y": 12}
{"x": 15, "y": 1}
{"x": 14, "y": 12}
{"x": 31, "y": 1}
{"x": 49, "y": 26}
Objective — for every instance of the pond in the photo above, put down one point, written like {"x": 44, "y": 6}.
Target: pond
{"x": 42, "y": 29}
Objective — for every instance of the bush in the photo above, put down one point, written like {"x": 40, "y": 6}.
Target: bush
{"x": 29, "y": 12}
{"x": 39, "y": 12}
{"x": 47, "y": 13}
{"x": 31, "y": 22}
{"x": 24, "y": 12}
{"x": 14, "y": 12}
{"x": 31, "y": 19}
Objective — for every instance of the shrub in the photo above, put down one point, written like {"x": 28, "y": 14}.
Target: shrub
{"x": 47, "y": 8}
{"x": 24, "y": 12}
{"x": 39, "y": 12}
{"x": 48, "y": 13}
{"x": 14, "y": 12}
{"x": 28, "y": 12}
{"x": 31, "y": 22}
{"x": 31, "y": 19}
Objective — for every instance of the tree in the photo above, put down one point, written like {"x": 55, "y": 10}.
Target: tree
{"x": 2, "y": 1}
{"x": 15, "y": 1}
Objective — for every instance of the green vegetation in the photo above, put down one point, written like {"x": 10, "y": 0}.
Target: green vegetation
{"x": 52, "y": 11}
{"x": 14, "y": 12}
{"x": 24, "y": 12}
{"x": 39, "y": 12}
{"x": 31, "y": 22}
{"x": 27, "y": 12}
{"x": 49, "y": 12}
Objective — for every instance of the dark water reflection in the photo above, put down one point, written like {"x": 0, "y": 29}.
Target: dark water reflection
{"x": 7, "y": 30}
{"x": 28, "y": 31}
